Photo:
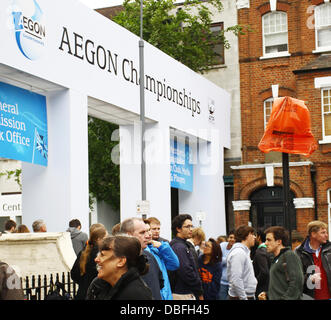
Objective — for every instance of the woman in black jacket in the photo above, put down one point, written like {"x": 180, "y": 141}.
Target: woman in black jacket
{"x": 120, "y": 265}
{"x": 84, "y": 269}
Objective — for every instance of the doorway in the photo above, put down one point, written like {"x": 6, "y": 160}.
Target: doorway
{"x": 267, "y": 208}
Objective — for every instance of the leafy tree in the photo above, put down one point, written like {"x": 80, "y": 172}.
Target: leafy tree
{"x": 104, "y": 175}
{"x": 183, "y": 32}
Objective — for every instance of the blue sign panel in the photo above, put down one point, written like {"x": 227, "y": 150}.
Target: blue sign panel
{"x": 23, "y": 125}
{"x": 181, "y": 168}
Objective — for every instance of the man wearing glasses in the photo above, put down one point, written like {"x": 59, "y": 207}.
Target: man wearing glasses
{"x": 185, "y": 281}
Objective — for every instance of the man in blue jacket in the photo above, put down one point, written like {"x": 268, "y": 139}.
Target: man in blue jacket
{"x": 167, "y": 260}
{"x": 186, "y": 284}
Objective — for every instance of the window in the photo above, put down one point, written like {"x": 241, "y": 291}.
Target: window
{"x": 326, "y": 113}
{"x": 275, "y": 37}
{"x": 267, "y": 110}
{"x": 216, "y": 28}
{"x": 323, "y": 26}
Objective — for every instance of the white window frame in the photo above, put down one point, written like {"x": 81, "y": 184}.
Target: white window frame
{"x": 325, "y": 48}
{"x": 326, "y": 138}
{"x": 329, "y": 211}
{"x": 274, "y": 54}
{"x": 264, "y": 110}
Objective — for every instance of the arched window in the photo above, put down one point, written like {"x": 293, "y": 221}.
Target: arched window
{"x": 323, "y": 26}
{"x": 275, "y": 35}
{"x": 267, "y": 107}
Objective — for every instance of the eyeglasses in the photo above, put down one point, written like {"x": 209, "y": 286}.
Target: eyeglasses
{"x": 188, "y": 226}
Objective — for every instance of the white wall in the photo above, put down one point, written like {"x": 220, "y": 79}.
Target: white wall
{"x": 59, "y": 192}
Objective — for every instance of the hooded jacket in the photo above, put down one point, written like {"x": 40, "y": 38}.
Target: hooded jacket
{"x": 305, "y": 254}
{"x": 241, "y": 278}
{"x": 167, "y": 260}
{"x": 78, "y": 239}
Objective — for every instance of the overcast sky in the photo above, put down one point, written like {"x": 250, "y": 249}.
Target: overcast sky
{"x": 95, "y": 4}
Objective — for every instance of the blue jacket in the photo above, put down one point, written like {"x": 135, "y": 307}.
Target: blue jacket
{"x": 167, "y": 260}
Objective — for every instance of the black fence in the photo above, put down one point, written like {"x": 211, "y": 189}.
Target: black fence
{"x": 39, "y": 287}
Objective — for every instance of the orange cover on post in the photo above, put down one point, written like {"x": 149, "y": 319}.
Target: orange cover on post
{"x": 289, "y": 128}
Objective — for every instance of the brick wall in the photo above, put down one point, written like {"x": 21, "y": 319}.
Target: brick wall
{"x": 256, "y": 77}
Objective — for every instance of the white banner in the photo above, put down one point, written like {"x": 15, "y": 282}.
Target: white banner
{"x": 11, "y": 205}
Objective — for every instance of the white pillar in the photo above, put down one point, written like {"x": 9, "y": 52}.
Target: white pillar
{"x": 59, "y": 192}
{"x": 208, "y": 190}
{"x": 157, "y": 146}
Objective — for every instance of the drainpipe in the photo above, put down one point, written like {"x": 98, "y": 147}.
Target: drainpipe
{"x": 313, "y": 179}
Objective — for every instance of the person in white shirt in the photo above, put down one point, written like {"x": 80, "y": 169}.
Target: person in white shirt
{"x": 242, "y": 281}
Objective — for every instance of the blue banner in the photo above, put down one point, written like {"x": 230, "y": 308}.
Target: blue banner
{"x": 181, "y": 167}
{"x": 23, "y": 125}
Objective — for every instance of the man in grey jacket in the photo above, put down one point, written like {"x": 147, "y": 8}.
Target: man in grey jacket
{"x": 78, "y": 237}
{"x": 242, "y": 281}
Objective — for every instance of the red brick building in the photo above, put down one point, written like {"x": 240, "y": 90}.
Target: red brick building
{"x": 289, "y": 47}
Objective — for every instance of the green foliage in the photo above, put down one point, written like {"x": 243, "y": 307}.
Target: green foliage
{"x": 16, "y": 174}
{"x": 181, "y": 32}
{"x": 104, "y": 175}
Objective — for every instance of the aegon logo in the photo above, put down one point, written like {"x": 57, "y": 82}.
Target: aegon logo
{"x": 30, "y": 33}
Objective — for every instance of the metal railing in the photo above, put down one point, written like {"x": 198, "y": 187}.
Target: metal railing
{"x": 37, "y": 287}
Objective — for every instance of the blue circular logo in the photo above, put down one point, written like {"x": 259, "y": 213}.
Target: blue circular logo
{"x": 30, "y": 31}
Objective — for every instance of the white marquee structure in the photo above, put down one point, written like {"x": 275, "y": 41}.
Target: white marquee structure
{"x": 87, "y": 65}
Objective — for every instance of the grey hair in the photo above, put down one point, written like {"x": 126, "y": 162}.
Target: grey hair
{"x": 37, "y": 225}
{"x": 127, "y": 226}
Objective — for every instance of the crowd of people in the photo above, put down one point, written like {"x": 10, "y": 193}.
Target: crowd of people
{"x": 135, "y": 263}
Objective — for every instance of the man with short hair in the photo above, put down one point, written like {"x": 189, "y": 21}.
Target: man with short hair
{"x": 155, "y": 225}
{"x": 286, "y": 277}
{"x": 39, "y": 226}
{"x": 10, "y": 226}
{"x": 136, "y": 227}
{"x": 78, "y": 237}
{"x": 315, "y": 255}
{"x": 242, "y": 282}
{"x": 167, "y": 260}
{"x": 186, "y": 282}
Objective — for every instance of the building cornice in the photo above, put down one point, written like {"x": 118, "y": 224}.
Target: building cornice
{"x": 303, "y": 203}
{"x": 275, "y": 165}
{"x": 241, "y": 205}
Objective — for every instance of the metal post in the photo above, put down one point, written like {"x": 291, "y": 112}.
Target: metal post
{"x": 142, "y": 105}
{"x": 286, "y": 192}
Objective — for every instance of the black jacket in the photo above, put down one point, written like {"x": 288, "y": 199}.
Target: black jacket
{"x": 261, "y": 264}
{"x": 186, "y": 279}
{"x": 307, "y": 260}
{"x": 84, "y": 280}
{"x": 129, "y": 287}
{"x": 154, "y": 277}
